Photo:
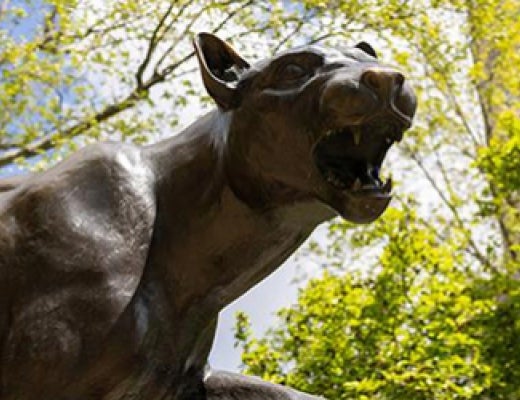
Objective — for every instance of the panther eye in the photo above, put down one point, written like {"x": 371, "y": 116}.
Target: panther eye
{"x": 291, "y": 72}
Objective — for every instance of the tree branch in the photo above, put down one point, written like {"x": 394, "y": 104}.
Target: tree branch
{"x": 152, "y": 45}
{"x": 3, "y": 8}
{"x": 455, "y": 212}
{"x": 451, "y": 99}
{"x": 46, "y": 142}
{"x": 175, "y": 42}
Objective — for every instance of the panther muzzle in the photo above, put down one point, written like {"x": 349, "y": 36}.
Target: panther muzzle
{"x": 350, "y": 157}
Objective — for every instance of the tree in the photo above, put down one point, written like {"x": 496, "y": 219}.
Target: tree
{"x": 76, "y": 71}
{"x": 79, "y": 71}
{"x": 436, "y": 315}
{"x": 407, "y": 329}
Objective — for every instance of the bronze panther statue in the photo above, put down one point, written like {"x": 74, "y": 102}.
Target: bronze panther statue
{"x": 116, "y": 262}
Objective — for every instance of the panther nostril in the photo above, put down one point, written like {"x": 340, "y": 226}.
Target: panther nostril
{"x": 399, "y": 79}
{"x": 378, "y": 79}
{"x": 371, "y": 79}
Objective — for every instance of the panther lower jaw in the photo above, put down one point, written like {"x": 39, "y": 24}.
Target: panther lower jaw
{"x": 363, "y": 209}
{"x": 360, "y": 203}
{"x": 354, "y": 208}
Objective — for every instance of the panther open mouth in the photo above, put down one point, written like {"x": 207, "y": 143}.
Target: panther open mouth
{"x": 349, "y": 159}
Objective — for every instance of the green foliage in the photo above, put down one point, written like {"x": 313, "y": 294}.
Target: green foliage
{"x": 419, "y": 326}
{"x": 500, "y": 161}
{"x": 409, "y": 329}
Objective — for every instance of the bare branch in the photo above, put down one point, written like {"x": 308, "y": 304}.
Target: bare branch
{"x": 47, "y": 142}
{"x": 451, "y": 99}
{"x": 231, "y": 15}
{"x": 173, "y": 20}
{"x": 290, "y": 35}
{"x": 50, "y": 28}
{"x": 152, "y": 45}
{"x": 3, "y": 8}
{"x": 174, "y": 43}
{"x": 161, "y": 75}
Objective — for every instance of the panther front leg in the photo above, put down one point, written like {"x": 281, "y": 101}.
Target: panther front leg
{"x": 221, "y": 385}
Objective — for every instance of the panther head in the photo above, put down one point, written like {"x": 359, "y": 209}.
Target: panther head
{"x": 311, "y": 123}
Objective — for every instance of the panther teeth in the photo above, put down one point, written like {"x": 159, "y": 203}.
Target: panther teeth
{"x": 375, "y": 185}
{"x": 356, "y": 133}
{"x": 357, "y": 185}
{"x": 387, "y": 187}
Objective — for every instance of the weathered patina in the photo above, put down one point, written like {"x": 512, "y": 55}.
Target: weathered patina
{"x": 116, "y": 262}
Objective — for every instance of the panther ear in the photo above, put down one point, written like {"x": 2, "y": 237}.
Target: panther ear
{"x": 366, "y": 48}
{"x": 220, "y": 67}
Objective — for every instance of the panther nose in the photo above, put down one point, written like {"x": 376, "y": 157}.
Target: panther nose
{"x": 383, "y": 81}
{"x": 391, "y": 90}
